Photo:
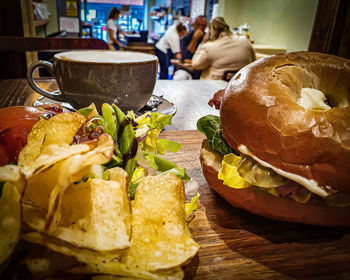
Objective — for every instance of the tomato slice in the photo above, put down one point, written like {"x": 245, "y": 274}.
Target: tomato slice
{"x": 15, "y": 124}
{"x": 19, "y": 115}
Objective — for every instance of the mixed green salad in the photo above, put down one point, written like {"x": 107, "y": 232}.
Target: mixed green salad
{"x": 137, "y": 147}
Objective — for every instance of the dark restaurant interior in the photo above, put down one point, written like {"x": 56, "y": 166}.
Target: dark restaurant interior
{"x": 175, "y": 139}
{"x": 285, "y": 26}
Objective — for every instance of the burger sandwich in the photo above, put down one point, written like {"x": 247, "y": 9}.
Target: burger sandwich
{"x": 281, "y": 145}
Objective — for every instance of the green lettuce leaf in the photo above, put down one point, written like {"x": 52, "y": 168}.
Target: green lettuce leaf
{"x": 178, "y": 171}
{"x": 150, "y": 143}
{"x": 162, "y": 164}
{"x": 95, "y": 171}
{"x": 143, "y": 119}
{"x": 229, "y": 174}
{"x": 192, "y": 206}
{"x": 210, "y": 126}
{"x": 169, "y": 145}
{"x": 115, "y": 161}
{"x": 132, "y": 190}
{"x": 105, "y": 175}
{"x": 84, "y": 111}
{"x": 130, "y": 166}
{"x": 130, "y": 115}
{"x": 151, "y": 160}
{"x": 159, "y": 120}
{"x": 110, "y": 117}
{"x": 138, "y": 175}
{"x": 156, "y": 122}
{"x": 125, "y": 130}
{"x": 141, "y": 130}
{"x": 127, "y": 140}
{"x": 256, "y": 174}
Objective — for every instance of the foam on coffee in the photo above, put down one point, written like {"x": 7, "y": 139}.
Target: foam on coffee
{"x": 105, "y": 56}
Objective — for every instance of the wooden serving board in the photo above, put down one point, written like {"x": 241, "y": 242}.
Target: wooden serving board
{"x": 238, "y": 245}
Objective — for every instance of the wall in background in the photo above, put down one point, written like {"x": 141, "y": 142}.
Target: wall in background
{"x": 52, "y": 26}
{"x": 282, "y": 23}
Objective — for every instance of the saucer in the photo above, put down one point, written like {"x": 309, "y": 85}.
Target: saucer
{"x": 155, "y": 104}
{"x": 158, "y": 104}
{"x": 44, "y": 100}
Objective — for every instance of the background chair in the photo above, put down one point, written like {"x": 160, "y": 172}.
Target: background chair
{"x": 227, "y": 76}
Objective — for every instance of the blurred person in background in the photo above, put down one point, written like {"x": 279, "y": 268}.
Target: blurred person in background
{"x": 192, "y": 40}
{"x": 221, "y": 51}
{"x": 189, "y": 44}
{"x": 168, "y": 47}
{"x": 113, "y": 29}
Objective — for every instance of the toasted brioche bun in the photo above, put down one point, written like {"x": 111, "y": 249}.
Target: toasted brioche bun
{"x": 259, "y": 110}
{"x": 266, "y": 205}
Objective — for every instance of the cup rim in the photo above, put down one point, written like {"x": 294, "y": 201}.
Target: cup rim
{"x": 57, "y": 57}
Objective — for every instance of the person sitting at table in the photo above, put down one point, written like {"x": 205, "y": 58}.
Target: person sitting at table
{"x": 168, "y": 47}
{"x": 221, "y": 51}
{"x": 114, "y": 30}
{"x": 189, "y": 44}
{"x": 191, "y": 41}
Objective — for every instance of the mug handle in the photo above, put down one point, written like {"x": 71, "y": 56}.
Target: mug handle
{"x": 56, "y": 95}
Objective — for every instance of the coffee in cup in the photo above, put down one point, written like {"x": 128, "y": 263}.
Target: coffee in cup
{"x": 126, "y": 79}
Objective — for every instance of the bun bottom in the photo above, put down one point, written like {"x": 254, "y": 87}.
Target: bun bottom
{"x": 266, "y": 205}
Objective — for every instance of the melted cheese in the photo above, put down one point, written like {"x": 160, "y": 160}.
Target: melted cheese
{"x": 311, "y": 185}
{"x": 312, "y": 99}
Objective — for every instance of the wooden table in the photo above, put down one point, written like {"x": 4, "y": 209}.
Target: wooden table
{"x": 234, "y": 244}
{"x": 190, "y": 97}
{"x": 241, "y": 246}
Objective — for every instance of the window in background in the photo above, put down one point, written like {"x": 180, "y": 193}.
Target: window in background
{"x": 98, "y": 10}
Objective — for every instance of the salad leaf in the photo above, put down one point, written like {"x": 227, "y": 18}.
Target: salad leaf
{"x": 132, "y": 190}
{"x": 153, "y": 124}
{"x": 210, "y": 126}
{"x": 127, "y": 140}
{"x": 258, "y": 175}
{"x": 122, "y": 120}
{"x": 150, "y": 143}
{"x": 130, "y": 166}
{"x": 84, "y": 111}
{"x": 192, "y": 206}
{"x": 163, "y": 165}
{"x": 141, "y": 131}
{"x": 110, "y": 117}
{"x": 137, "y": 158}
{"x": 159, "y": 120}
{"x": 96, "y": 171}
{"x": 144, "y": 119}
{"x": 229, "y": 174}
{"x": 105, "y": 175}
{"x": 169, "y": 145}
{"x": 115, "y": 161}
{"x": 178, "y": 171}
{"x": 130, "y": 115}
{"x": 151, "y": 160}
{"x": 139, "y": 173}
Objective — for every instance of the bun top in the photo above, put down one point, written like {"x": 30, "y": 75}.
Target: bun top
{"x": 260, "y": 109}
